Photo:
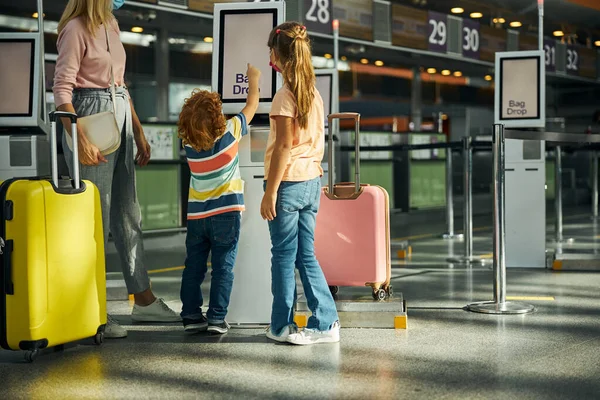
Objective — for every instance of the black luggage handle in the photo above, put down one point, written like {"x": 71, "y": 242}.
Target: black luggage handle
{"x": 63, "y": 114}
{"x": 7, "y": 267}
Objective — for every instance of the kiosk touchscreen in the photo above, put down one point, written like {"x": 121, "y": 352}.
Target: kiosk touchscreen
{"x": 241, "y": 32}
{"x": 20, "y": 76}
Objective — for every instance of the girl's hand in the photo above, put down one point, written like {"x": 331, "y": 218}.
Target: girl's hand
{"x": 267, "y": 207}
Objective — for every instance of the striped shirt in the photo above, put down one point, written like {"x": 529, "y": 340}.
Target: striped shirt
{"x": 216, "y": 186}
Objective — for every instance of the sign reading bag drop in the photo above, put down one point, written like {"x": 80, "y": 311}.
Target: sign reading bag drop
{"x": 520, "y": 89}
{"x": 240, "y": 35}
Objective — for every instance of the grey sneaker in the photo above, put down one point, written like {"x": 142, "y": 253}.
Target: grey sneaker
{"x": 195, "y": 325}
{"x": 113, "y": 330}
{"x": 283, "y": 336}
{"x": 221, "y": 328}
{"x": 158, "y": 311}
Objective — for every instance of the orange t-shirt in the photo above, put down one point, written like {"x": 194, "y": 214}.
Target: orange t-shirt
{"x": 308, "y": 145}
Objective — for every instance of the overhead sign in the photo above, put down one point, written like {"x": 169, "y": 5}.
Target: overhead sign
{"x": 520, "y": 98}
{"x": 409, "y": 27}
{"x": 471, "y": 41}
{"x": 437, "y": 32}
{"x": 356, "y": 18}
{"x": 317, "y": 16}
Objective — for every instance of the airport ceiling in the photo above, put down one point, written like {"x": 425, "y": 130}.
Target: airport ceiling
{"x": 569, "y": 15}
{"x": 575, "y": 20}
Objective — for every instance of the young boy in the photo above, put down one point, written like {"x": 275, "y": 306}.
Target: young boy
{"x": 216, "y": 200}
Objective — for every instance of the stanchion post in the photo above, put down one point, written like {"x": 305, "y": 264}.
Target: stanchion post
{"x": 499, "y": 305}
{"x": 595, "y": 184}
{"x": 449, "y": 235}
{"x": 468, "y": 258}
{"x": 558, "y": 198}
{"x": 468, "y": 195}
{"x": 558, "y": 194}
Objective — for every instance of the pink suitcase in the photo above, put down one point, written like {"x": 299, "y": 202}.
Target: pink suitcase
{"x": 352, "y": 236}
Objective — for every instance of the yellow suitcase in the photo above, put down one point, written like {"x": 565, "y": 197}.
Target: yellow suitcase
{"x": 53, "y": 279}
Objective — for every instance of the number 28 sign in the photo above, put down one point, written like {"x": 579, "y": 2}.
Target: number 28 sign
{"x": 317, "y": 16}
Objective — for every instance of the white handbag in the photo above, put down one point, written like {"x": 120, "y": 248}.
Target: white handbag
{"x": 101, "y": 129}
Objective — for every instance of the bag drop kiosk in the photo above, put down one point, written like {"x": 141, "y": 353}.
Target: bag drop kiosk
{"x": 24, "y": 146}
{"x": 240, "y": 33}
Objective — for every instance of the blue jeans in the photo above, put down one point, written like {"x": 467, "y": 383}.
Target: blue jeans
{"x": 292, "y": 238}
{"x": 218, "y": 235}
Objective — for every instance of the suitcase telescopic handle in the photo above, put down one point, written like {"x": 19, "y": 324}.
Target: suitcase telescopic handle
{"x": 356, "y": 118}
{"x": 54, "y": 148}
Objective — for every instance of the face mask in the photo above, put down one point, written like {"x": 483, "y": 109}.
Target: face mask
{"x": 118, "y": 4}
{"x": 275, "y": 67}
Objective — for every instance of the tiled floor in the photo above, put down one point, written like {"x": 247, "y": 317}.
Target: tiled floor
{"x": 446, "y": 352}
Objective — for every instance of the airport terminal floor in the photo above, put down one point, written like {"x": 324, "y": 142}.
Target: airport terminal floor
{"x": 446, "y": 352}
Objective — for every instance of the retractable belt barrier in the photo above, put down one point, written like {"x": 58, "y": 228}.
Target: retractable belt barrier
{"x": 567, "y": 142}
{"x": 499, "y": 305}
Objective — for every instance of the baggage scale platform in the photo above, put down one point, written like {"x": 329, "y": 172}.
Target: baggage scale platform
{"x": 361, "y": 311}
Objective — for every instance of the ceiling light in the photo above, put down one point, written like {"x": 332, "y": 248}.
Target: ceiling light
{"x": 597, "y": 43}
{"x": 488, "y": 78}
{"x": 208, "y": 39}
{"x": 476, "y": 15}
{"x": 35, "y": 15}
{"x": 379, "y": 63}
{"x": 457, "y": 74}
{"x": 327, "y": 55}
{"x": 457, "y": 10}
{"x": 364, "y": 61}
{"x": 501, "y": 20}
{"x": 516, "y": 24}
{"x": 343, "y": 58}
{"x": 137, "y": 29}
{"x": 558, "y": 33}
{"x": 431, "y": 70}
{"x": 446, "y": 72}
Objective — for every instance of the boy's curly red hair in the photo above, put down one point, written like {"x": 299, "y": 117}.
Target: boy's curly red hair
{"x": 201, "y": 120}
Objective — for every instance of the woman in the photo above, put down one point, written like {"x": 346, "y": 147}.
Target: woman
{"x": 81, "y": 85}
{"x": 293, "y": 189}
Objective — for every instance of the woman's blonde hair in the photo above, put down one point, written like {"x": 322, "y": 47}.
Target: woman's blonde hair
{"x": 93, "y": 12}
{"x": 292, "y": 46}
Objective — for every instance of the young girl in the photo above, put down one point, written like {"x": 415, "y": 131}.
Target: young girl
{"x": 292, "y": 191}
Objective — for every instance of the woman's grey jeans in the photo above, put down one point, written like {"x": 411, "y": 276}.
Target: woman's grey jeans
{"x": 116, "y": 182}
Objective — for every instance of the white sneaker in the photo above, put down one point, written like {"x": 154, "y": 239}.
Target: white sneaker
{"x": 113, "y": 330}
{"x": 284, "y": 335}
{"x": 311, "y": 336}
{"x": 158, "y": 311}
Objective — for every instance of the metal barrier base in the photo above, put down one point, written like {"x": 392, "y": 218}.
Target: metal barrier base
{"x": 576, "y": 262}
{"x": 454, "y": 236}
{"x": 358, "y": 311}
{"x": 469, "y": 260}
{"x": 509, "y": 307}
{"x": 563, "y": 241}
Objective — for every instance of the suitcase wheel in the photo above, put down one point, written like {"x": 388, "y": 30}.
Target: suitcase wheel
{"x": 334, "y": 290}
{"x": 99, "y": 338}
{"x": 31, "y": 355}
{"x": 379, "y": 294}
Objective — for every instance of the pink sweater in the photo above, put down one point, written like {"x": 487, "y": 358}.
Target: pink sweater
{"x": 84, "y": 62}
